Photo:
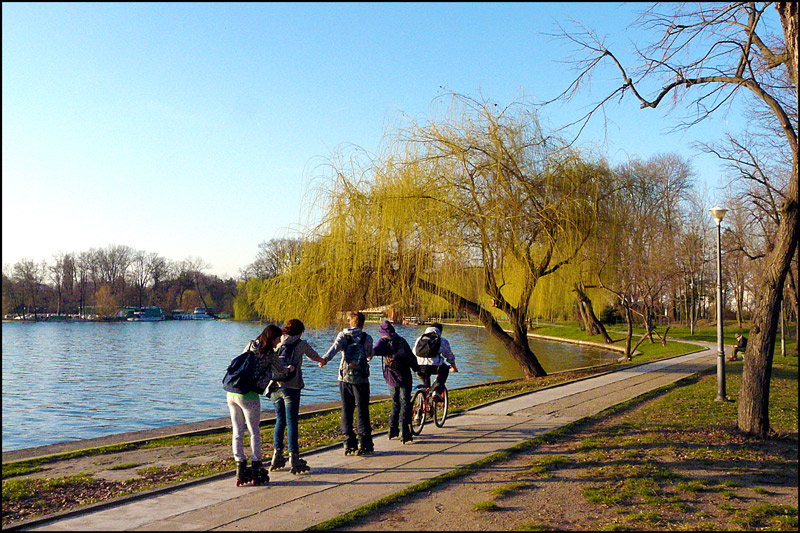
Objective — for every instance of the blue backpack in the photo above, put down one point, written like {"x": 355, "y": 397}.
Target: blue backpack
{"x": 355, "y": 355}
{"x": 240, "y": 377}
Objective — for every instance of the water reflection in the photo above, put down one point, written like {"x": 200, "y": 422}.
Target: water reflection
{"x": 68, "y": 381}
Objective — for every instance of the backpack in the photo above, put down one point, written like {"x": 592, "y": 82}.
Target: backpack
{"x": 355, "y": 355}
{"x": 399, "y": 353}
{"x": 240, "y": 376}
{"x": 393, "y": 362}
{"x": 428, "y": 345}
{"x": 284, "y": 355}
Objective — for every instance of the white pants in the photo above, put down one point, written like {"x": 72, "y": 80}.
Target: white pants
{"x": 245, "y": 412}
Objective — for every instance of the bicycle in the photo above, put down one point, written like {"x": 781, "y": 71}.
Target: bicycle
{"x": 424, "y": 404}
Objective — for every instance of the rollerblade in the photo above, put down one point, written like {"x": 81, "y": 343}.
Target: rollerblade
{"x": 260, "y": 474}
{"x": 298, "y": 466}
{"x": 350, "y": 448}
{"x": 365, "y": 448}
{"x": 394, "y": 434}
{"x": 243, "y": 474}
{"x": 407, "y": 437}
{"x": 278, "y": 460}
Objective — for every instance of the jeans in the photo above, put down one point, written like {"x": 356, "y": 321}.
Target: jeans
{"x": 441, "y": 371}
{"x": 287, "y": 407}
{"x": 401, "y": 410}
{"x": 247, "y": 413}
{"x": 355, "y": 398}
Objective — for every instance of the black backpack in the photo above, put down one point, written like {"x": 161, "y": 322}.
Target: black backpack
{"x": 240, "y": 376}
{"x": 355, "y": 355}
{"x": 428, "y": 345}
{"x": 399, "y": 354}
{"x": 284, "y": 355}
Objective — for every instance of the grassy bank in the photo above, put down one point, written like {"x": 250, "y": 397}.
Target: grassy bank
{"x": 669, "y": 460}
{"x": 34, "y": 487}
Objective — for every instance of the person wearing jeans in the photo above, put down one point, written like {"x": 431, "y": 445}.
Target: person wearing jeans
{"x": 287, "y": 408}
{"x": 285, "y": 396}
{"x": 398, "y": 363}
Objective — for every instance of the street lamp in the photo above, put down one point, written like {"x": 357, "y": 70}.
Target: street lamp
{"x": 719, "y": 213}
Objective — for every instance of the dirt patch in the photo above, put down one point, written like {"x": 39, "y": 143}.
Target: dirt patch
{"x": 573, "y": 485}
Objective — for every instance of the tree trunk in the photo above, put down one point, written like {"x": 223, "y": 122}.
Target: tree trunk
{"x": 584, "y": 323}
{"x": 753, "y": 416}
{"x": 593, "y": 324}
{"x": 629, "y": 335}
{"x": 517, "y": 345}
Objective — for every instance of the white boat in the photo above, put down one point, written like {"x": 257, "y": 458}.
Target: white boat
{"x": 199, "y": 313}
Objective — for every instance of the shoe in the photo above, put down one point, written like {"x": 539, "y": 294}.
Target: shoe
{"x": 278, "y": 460}
{"x": 350, "y": 449}
{"x": 243, "y": 474}
{"x": 365, "y": 447}
{"x": 394, "y": 435}
{"x": 298, "y": 466}
{"x": 260, "y": 474}
{"x": 407, "y": 440}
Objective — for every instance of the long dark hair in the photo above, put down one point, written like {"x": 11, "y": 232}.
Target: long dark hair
{"x": 264, "y": 341}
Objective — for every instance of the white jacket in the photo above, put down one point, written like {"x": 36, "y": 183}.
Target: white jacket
{"x": 445, "y": 353}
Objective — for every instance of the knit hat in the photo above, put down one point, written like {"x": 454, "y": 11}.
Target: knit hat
{"x": 386, "y": 328}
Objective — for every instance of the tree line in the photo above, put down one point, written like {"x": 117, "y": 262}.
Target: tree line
{"x": 98, "y": 282}
{"x": 482, "y": 210}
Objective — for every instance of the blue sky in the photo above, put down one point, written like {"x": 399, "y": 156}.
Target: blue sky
{"x": 194, "y": 129}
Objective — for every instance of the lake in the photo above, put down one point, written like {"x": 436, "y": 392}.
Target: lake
{"x": 78, "y": 380}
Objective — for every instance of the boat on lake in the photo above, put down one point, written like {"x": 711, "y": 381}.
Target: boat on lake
{"x": 199, "y": 313}
{"x": 146, "y": 314}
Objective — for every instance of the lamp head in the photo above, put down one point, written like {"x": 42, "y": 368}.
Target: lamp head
{"x": 718, "y": 213}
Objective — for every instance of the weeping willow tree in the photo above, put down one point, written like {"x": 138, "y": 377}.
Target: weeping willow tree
{"x": 468, "y": 210}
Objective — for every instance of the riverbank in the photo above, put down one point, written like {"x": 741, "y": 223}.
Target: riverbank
{"x": 670, "y": 460}
{"x": 82, "y": 477}
{"x": 628, "y": 475}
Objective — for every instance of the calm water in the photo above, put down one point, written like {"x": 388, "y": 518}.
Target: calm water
{"x": 70, "y": 381}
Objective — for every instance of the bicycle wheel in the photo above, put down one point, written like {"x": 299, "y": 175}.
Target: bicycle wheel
{"x": 440, "y": 409}
{"x": 418, "y": 414}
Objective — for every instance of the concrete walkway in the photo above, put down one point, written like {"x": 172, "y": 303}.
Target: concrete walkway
{"x": 338, "y": 484}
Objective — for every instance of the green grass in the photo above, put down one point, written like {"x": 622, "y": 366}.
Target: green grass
{"x": 488, "y": 505}
{"x": 506, "y": 489}
{"x": 126, "y": 466}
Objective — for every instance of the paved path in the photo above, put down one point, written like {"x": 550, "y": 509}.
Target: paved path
{"x": 338, "y": 484}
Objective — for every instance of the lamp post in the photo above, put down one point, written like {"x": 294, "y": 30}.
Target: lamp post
{"x": 719, "y": 213}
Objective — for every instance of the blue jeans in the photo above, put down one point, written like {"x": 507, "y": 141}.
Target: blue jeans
{"x": 287, "y": 407}
{"x": 400, "y": 416}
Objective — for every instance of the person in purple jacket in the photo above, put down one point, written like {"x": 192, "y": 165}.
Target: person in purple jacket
{"x": 398, "y": 363}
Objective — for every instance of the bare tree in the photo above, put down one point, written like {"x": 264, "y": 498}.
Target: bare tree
{"x": 30, "y": 275}
{"x": 717, "y": 53}
{"x": 273, "y": 258}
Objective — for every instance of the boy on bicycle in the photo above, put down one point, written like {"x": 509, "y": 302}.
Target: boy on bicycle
{"x": 432, "y": 351}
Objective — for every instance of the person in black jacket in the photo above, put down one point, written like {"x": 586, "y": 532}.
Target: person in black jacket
{"x": 398, "y": 362}
{"x": 739, "y": 347}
